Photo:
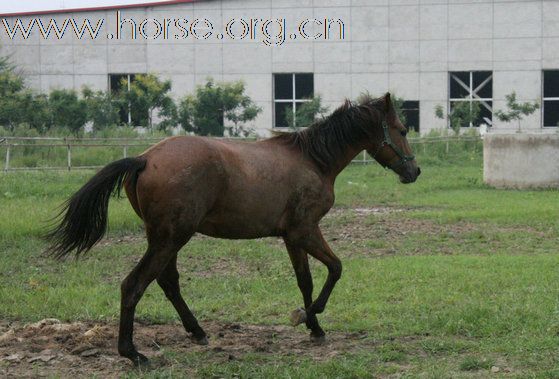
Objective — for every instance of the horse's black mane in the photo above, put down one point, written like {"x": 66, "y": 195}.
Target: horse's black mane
{"x": 327, "y": 139}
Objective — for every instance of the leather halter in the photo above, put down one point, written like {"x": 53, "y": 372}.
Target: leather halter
{"x": 388, "y": 142}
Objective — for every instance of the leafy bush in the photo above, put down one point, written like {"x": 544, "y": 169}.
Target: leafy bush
{"x": 305, "y": 114}
{"x": 19, "y": 105}
{"x": 205, "y": 112}
{"x": 238, "y": 109}
{"x": 201, "y": 113}
{"x": 102, "y": 109}
{"x": 462, "y": 115}
{"x": 67, "y": 109}
{"x": 146, "y": 95}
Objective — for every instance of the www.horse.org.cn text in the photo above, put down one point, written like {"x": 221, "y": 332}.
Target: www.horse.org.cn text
{"x": 270, "y": 32}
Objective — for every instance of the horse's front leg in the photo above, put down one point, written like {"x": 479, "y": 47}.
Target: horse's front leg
{"x": 300, "y": 262}
{"x": 314, "y": 244}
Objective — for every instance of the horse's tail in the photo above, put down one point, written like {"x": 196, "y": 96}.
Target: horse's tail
{"x": 83, "y": 219}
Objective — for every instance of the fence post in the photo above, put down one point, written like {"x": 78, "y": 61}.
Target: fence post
{"x": 69, "y": 157}
{"x": 364, "y": 157}
{"x": 447, "y": 146}
{"x": 7, "y": 167}
{"x": 125, "y": 151}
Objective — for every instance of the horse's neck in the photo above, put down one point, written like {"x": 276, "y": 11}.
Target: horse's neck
{"x": 349, "y": 154}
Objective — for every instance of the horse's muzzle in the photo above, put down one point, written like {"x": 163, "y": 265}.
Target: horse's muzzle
{"x": 410, "y": 175}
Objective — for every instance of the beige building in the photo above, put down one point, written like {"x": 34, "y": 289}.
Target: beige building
{"x": 428, "y": 52}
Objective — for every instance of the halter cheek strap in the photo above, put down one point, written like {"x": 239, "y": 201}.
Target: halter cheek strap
{"x": 388, "y": 142}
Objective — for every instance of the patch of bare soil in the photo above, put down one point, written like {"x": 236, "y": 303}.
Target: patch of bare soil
{"x": 51, "y": 348}
{"x": 377, "y": 232}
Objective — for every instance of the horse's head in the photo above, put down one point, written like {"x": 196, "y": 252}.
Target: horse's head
{"x": 390, "y": 147}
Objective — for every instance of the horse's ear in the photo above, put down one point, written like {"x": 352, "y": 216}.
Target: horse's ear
{"x": 387, "y": 102}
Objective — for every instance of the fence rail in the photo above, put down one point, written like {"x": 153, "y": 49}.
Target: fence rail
{"x": 11, "y": 144}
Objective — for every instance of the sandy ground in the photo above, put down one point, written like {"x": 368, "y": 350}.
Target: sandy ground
{"x": 51, "y": 348}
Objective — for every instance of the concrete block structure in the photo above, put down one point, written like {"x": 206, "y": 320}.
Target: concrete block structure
{"x": 428, "y": 52}
{"x": 521, "y": 160}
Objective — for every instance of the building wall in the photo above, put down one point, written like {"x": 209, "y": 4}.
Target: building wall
{"x": 403, "y": 46}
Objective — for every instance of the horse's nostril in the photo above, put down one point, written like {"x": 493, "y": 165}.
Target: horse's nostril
{"x": 418, "y": 171}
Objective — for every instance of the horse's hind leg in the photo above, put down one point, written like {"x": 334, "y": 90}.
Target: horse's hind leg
{"x": 151, "y": 265}
{"x": 168, "y": 280}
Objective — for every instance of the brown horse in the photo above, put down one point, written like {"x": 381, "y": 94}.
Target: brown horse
{"x": 280, "y": 186}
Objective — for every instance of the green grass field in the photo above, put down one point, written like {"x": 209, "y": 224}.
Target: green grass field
{"x": 444, "y": 278}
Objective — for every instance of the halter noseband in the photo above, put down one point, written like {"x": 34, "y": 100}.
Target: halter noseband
{"x": 388, "y": 142}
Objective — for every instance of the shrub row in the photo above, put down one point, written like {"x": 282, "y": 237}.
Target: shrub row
{"x": 214, "y": 108}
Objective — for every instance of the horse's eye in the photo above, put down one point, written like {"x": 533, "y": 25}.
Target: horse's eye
{"x": 403, "y": 133}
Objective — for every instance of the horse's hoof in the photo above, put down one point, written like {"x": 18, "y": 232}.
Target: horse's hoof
{"x": 318, "y": 339}
{"x": 140, "y": 360}
{"x": 298, "y": 316}
{"x": 199, "y": 341}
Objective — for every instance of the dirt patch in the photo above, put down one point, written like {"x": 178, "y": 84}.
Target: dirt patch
{"x": 48, "y": 347}
{"x": 379, "y": 231}
{"x": 387, "y": 231}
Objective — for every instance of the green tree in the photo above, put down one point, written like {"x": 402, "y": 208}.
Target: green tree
{"x": 463, "y": 114}
{"x": 10, "y": 81}
{"x": 67, "y": 110}
{"x": 516, "y": 111}
{"x": 146, "y": 95}
{"x": 238, "y": 109}
{"x": 202, "y": 113}
{"x": 185, "y": 113}
{"x": 19, "y": 105}
{"x": 36, "y": 111}
{"x": 205, "y": 112}
{"x": 101, "y": 108}
{"x": 168, "y": 113}
{"x": 305, "y": 114}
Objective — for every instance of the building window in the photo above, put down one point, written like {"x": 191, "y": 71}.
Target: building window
{"x": 473, "y": 87}
{"x": 119, "y": 83}
{"x": 290, "y": 92}
{"x": 411, "y": 112}
{"x": 550, "y": 98}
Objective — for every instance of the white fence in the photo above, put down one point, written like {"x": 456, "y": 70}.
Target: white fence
{"x": 10, "y": 146}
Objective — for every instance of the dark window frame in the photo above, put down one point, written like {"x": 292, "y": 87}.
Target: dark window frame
{"x": 472, "y": 93}
{"x": 552, "y": 99}
{"x": 407, "y": 108}
{"x": 293, "y": 100}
